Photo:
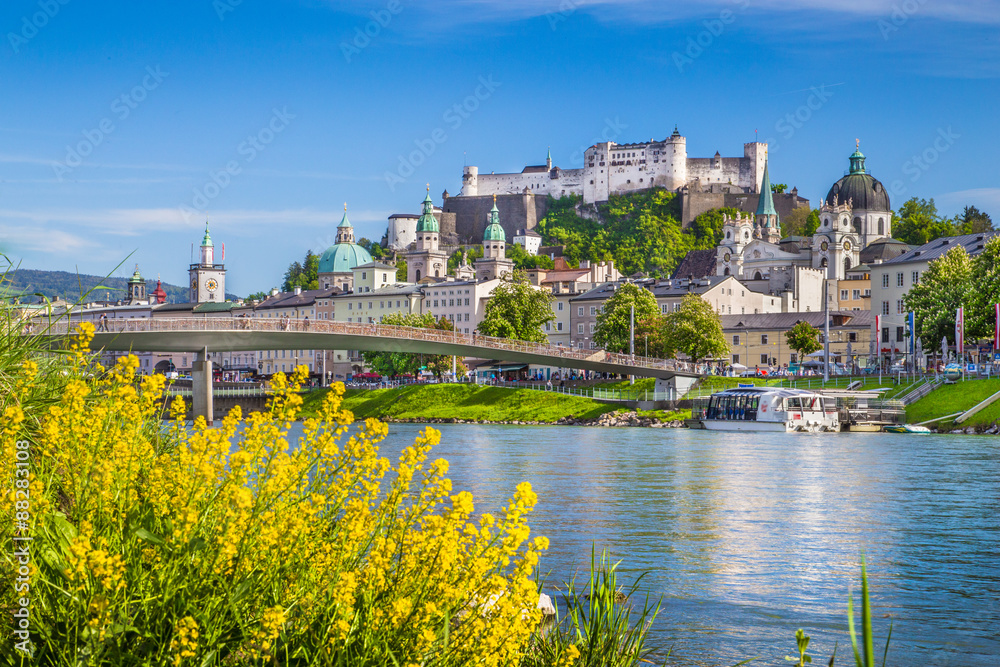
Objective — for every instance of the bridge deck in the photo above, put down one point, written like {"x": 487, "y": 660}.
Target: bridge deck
{"x": 193, "y": 334}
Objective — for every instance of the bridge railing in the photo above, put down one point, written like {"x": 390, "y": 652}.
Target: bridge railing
{"x": 566, "y": 355}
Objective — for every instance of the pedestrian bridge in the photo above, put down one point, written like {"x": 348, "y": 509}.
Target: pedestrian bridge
{"x": 196, "y": 334}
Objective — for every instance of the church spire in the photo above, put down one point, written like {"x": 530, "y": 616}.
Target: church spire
{"x": 345, "y": 231}
{"x": 548, "y": 159}
{"x": 857, "y": 159}
{"x": 427, "y": 222}
{"x": 767, "y": 215}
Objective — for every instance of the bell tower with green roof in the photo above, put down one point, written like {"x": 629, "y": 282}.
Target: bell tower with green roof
{"x": 494, "y": 262}
{"x": 136, "y": 287}
{"x": 426, "y": 260}
{"x": 208, "y": 279}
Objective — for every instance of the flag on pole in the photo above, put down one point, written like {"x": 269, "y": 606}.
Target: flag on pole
{"x": 913, "y": 333}
{"x": 878, "y": 334}
{"x": 996, "y": 328}
{"x": 223, "y": 252}
{"x": 960, "y": 334}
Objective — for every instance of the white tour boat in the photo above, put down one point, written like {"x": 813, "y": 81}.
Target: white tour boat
{"x": 771, "y": 409}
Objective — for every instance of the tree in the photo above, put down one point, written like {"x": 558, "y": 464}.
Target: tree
{"x": 470, "y": 254}
{"x": 613, "y": 322}
{"x": 943, "y": 287}
{"x": 917, "y": 222}
{"x": 401, "y": 269}
{"x": 695, "y": 330}
{"x": 304, "y": 275}
{"x": 803, "y": 338}
{"x": 374, "y": 249}
{"x": 517, "y": 310}
{"x": 258, "y": 296}
{"x": 973, "y": 221}
{"x": 522, "y": 260}
{"x": 707, "y": 227}
{"x": 778, "y": 188}
{"x": 800, "y": 222}
{"x": 408, "y": 363}
{"x": 981, "y": 316}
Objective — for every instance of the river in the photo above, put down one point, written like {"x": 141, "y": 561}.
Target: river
{"x": 748, "y": 537}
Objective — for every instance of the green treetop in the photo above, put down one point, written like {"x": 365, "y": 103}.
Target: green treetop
{"x": 803, "y": 338}
{"x": 917, "y": 222}
{"x": 408, "y": 363}
{"x": 981, "y": 317}
{"x": 613, "y": 322}
{"x": 943, "y": 287}
{"x": 517, "y": 310}
{"x": 695, "y": 330}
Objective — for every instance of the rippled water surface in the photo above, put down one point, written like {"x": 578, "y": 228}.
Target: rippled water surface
{"x": 750, "y": 536}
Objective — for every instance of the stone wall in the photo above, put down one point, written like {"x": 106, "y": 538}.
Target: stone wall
{"x": 467, "y": 216}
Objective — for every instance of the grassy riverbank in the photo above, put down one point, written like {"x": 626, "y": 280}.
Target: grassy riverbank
{"x": 958, "y": 397}
{"x": 461, "y": 401}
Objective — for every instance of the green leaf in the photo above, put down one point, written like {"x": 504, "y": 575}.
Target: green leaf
{"x": 144, "y": 534}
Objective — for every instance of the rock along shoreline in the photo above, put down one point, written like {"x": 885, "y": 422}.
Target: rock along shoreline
{"x": 621, "y": 420}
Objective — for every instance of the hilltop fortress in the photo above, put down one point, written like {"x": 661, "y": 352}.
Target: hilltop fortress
{"x": 609, "y": 169}
{"x": 615, "y": 169}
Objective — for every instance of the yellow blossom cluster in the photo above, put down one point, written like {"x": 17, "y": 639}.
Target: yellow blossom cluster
{"x": 240, "y": 536}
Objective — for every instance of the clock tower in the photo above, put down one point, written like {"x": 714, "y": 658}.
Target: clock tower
{"x": 208, "y": 279}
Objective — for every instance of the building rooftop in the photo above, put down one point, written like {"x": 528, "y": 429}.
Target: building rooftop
{"x": 861, "y": 319}
{"x": 697, "y": 263}
{"x": 375, "y": 264}
{"x": 973, "y": 244}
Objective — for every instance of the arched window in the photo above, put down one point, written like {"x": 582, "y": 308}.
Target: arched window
{"x": 881, "y": 226}
{"x": 437, "y": 274}
{"x": 823, "y": 263}
{"x": 757, "y": 276}
{"x": 418, "y": 275}
{"x": 847, "y": 264}
{"x": 726, "y": 272}
{"x": 857, "y": 225}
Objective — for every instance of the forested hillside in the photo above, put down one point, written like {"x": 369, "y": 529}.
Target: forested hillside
{"x": 71, "y": 286}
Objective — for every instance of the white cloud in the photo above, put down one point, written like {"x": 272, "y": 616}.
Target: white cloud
{"x": 34, "y": 239}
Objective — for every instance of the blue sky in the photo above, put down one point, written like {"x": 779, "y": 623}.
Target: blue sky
{"x": 124, "y": 125}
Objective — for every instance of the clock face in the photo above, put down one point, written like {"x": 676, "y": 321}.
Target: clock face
{"x": 194, "y": 283}
{"x": 847, "y": 245}
{"x": 728, "y": 257}
{"x": 212, "y": 285}
{"x": 824, "y": 245}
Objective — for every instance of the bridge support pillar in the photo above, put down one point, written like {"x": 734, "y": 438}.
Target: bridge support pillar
{"x": 676, "y": 386}
{"x": 201, "y": 387}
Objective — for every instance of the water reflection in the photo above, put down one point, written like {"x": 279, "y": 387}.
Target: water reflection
{"x": 750, "y": 536}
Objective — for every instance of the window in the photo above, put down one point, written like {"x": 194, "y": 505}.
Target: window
{"x": 467, "y": 303}
{"x": 559, "y": 326}
{"x": 579, "y": 328}
{"x": 915, "y": 277}
{"x": 663, "y": 309}
{"x": 466, "y": 317}
{"x": 852, "y": 337}
{"x": 885, "y": 280}
{"x": 793, "y": 358}
{"x": 899, "y": 305}
{"x": 736, "y": 358}
{"x": 350, "y": 305}
{"x": 369, "y": 305}
{"x": 364, "y": 275}
{"x": 763, "y": 339}
{"x": 593, "y": 310}
{"x": 381, "y": 304}
{"x": 899, "y": 334}
{"x": 559, "y": 306}
{"x": 736, "y": 339}
{"x": 899, "y": 279}
{"x": 592, "y": 325}
{"x": 764, "y": 359}
{"x": 843, "y": 295}
{"x": 856, "y": 294}
{"x": 677, "y": 307}
{"x": 435, "y": 303}
{"x": 885, "y": 334}
{"x": 548, "y": 327}
{"x": 885, "y": 307}
{"x": 579, "y": 311}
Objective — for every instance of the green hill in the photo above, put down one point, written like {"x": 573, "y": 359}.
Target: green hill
{"x": 70, "y": 286}
{"x": 951, "y": 398}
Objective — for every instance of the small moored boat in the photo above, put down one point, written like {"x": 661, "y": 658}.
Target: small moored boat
{"x": 771, "y": 409}
{"x": 906, "y": 428}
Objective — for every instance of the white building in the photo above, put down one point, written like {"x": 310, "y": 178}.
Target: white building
{"x": 611, "y": 168}
{"x": 528, "y": 239}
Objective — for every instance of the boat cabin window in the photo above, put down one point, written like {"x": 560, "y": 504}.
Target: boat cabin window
{"x": 794, "y": 403}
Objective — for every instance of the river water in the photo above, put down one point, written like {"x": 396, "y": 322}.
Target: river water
{"x": 748, "y": 537}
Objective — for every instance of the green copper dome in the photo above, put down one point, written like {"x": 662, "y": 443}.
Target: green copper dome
{"x": 427, "y": 221}
{"x": 865, "y": 192}
{"x": 494, "y": 232}
{"x": 207, "y": 241}
{"x": 136, "y": 276}
{"x": 343, "y": 257}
